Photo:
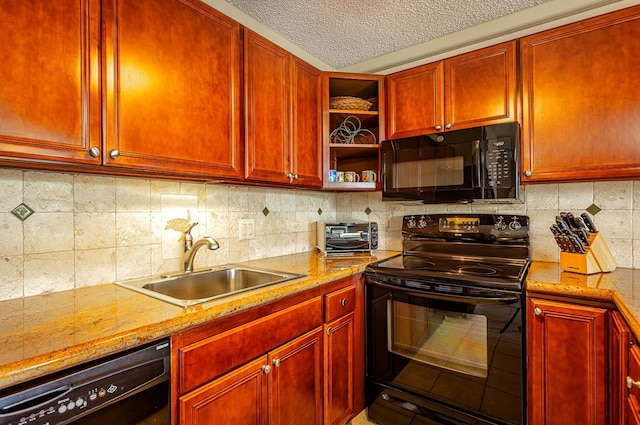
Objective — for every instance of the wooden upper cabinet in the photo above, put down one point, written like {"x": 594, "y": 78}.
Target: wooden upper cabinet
{"x": 567, "y": 363}
{"x": 172, "y": 88}
{"x": 283, "y": 115}
{"x": 469, "y": 90}
{"x": 306, "y": 124}
{"x": 49, "y": 90}
{"x": 581, "y": 102}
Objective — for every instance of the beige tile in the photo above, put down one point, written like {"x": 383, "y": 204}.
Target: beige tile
{"x": 133, "y": 195}
{"x": 133, "y": 228}
{"x": 11, "y": 181}
{"x": 48, "y": 272}
{"x": 613, "y": 195}
{"x": 11, "y": 229}
{"x": 133, "y": 261}
{"x": 542, "y": 197}
{"x": 12, "y": 282}
{"x": 48, "y": 192}
{"x": 95, "y": 266}
{"x": 49, "y": 232}
{"x": 94, "y": 230}
{"x": 575, "y": 197}
{"x": 94, "y": 194}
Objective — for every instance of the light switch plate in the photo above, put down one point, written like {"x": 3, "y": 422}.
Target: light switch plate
{"x": 246, "y": 229}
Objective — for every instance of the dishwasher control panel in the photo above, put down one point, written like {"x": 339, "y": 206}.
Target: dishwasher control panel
{"x": 78, "y": 393}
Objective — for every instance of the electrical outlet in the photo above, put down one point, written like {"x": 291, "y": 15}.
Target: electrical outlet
{"x": 246, "y": 229}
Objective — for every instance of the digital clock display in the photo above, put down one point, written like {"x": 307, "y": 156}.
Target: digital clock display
{"x": 459, "y": 224}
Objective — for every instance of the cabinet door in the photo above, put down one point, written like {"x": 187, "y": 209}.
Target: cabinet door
{"x": 267, "y": 88}
{"x": 580, "y": 100}
{"x": 339, "y": 370}
{"x": 633, "y": 398}
{"x": 618, "y": 368}
{"x": 49, "y": 95}
{"x": 239, "y": 398}
{"x": 480, "y": 87}
{"x": 295, "y": 383}
{"x": 415, "y": 101}
{"x": 567, "y": 349}
{"x": 172, "y": 74}
{"x": 306, "y": 124}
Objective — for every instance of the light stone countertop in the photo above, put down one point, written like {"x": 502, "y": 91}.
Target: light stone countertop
{"x": 46, "y": 333}
{"x": 51, "y": 332}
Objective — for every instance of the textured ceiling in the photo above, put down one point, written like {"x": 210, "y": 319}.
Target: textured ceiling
{"x": 345, "y": 32}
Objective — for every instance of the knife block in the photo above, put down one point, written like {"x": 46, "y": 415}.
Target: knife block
{"x": 597, "y": 259}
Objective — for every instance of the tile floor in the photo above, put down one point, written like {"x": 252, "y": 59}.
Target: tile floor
{"x": 361, "y": 419}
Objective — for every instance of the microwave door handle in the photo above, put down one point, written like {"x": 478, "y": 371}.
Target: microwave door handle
{"x": 477, "y": 153}
{"x": 451, "y": 297}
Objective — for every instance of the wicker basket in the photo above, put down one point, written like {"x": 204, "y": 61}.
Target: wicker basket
{"x": 349, "y": 103}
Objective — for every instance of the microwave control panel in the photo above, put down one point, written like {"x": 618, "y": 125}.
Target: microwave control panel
{"x": 499, "y": 161}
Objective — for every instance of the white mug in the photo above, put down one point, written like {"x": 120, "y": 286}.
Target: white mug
{"x": 340, "y": 176}
{"x": 351, "y": 176}
{"x": 369, "y": 176}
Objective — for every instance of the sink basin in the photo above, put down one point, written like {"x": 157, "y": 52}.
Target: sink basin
{"x": 187, "y": 289}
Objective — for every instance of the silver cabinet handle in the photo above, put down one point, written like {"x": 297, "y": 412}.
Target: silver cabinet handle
{"x": 631, "y": 383}
{"x": 438, "y": 127}
{"x": 266, "y": 368}
{"x": 276, "y": 362}
{"x": 94, "y": 151}
{"x": 448, "y": 126}
{"x": 114, "y": 153}
{"x": 537, "y": 311}
{"x": 528, "y": 173}
{"x": 344, "y": 302}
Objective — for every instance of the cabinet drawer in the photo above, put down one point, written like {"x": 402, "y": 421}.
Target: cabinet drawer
{"x": 207, "y": 359}
{"x": 339, "y": 302}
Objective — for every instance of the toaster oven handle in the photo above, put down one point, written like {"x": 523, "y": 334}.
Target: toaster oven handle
{"x": 477, "y": 153}
{"x": 451, "y": 297}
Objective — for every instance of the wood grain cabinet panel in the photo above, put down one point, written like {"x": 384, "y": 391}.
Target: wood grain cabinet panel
{"x": 619, "y": 337}
{"x": 469, "y": 90}
{"x": 49, "y": 90}
{"x": 581, "y": 119}
{"x": 567, "y": 363}
{"x": 633, "y": 397}
{"x": 339, "y": 370}
{"x": 282, "y": 115}
{"x": 172, "y": 88}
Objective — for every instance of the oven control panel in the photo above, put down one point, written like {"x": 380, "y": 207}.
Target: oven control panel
{"x": 461, "y": 226}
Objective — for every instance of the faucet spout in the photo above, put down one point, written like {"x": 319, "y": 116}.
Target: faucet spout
{"x": 190, "y": 253}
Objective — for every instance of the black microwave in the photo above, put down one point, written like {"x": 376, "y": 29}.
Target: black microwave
{"x": 469, "y": 165}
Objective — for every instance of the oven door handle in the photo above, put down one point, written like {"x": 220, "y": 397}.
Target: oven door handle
{"x": 450, "y": 297}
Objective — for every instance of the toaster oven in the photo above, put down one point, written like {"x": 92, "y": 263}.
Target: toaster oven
{"x": 346, "y": 238}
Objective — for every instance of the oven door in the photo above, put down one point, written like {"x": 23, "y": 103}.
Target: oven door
{"x": 447, "y": 357}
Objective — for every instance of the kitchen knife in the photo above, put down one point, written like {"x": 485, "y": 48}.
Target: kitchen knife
{"x": 557, "y": 235}
{"x": 577, "y": 245}
{"x": 581, "y": 230}
{"x": 589, "y": 222}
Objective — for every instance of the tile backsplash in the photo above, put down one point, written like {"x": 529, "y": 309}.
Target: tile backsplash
{"x": 89, "y": 230}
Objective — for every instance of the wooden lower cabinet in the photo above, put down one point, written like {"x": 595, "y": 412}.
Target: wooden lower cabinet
{"x": 238, "y": 398}
{"x": 633, "y": 393}
{"x": 283, "y": 387}
{"x": 339, "y": 370}
{"x": 567, "y": 363}
{"x": 618, "y": 368}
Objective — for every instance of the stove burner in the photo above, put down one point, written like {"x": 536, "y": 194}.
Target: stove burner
{"x": 479, "y": 269}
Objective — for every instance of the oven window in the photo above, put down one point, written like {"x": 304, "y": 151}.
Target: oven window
{"x": 450, "y": 340}
{"x": 438, "y": 172}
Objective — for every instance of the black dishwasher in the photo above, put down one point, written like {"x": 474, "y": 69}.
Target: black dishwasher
{"x": 128, "y": 388}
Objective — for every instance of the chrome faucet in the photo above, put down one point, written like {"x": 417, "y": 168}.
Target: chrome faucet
{"x": 190, "y": 248}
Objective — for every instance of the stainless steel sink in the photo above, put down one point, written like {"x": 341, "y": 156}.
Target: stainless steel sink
{"x": 187, "y": 289}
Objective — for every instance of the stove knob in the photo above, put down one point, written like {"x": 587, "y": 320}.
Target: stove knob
{"x": 500, "y": 224}
{"x": 515, "y": 225}
{"x": 422, "y": 223}
{"x": 411, "y": 223}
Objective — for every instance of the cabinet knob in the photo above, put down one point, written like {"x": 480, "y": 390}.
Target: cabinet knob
{"x": 276, "y": 362}
{"x": 343, "y": 302}
{"x": 537, "y": 311}
{"x": 438, "y": 127}
{"x": 114, "y": 153}
{"x": 631, "y": 383}
{"x": 266, "y": 368}
{"x": 94, "y": 151}
{"x": 329, "y": 330}
{"x": 448, "y": 126}
{"x": 528, "y": 173}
